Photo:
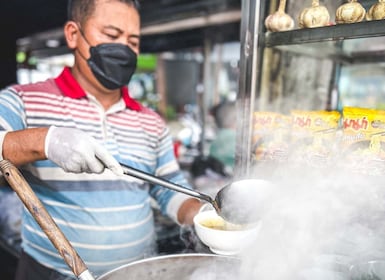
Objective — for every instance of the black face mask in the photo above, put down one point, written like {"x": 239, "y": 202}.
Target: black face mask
{"x": 112, "y": 64}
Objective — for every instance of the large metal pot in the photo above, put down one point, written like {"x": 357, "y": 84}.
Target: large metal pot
{"x": 178, "y": 267}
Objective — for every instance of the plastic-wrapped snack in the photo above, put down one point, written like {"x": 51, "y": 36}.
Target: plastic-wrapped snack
{"x": 271, "y": 136}
{"x": 313, "y": 137}
{"x": 363, "y": 141}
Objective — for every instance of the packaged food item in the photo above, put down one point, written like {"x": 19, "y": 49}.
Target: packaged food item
{"x": 313, "y": 137}
{"x": 363, "y": 141}
{"x": 271, "y": 136}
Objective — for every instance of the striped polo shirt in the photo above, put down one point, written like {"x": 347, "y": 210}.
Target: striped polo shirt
{"x": 108, "y": 219}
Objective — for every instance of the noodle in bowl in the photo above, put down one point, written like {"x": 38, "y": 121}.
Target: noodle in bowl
{"x": 221, "y": 237}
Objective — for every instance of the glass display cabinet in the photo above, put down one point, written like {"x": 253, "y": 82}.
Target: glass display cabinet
{"x": 304, "y": 74}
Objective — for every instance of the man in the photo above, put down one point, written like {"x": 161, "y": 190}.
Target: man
{"x": 68, "y": 134}
{"x": 223, "y": 146}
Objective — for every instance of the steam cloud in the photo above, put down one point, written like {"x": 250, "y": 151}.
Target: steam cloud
{"x": 316, "y": 225}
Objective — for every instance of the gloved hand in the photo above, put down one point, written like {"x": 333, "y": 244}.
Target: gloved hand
{"x": 75, "y": 151}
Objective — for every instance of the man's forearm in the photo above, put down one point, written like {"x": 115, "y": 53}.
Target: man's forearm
{"x": 24, "y": 146}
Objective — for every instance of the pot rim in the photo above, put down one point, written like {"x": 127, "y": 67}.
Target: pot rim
{"x": 161, "y": 257}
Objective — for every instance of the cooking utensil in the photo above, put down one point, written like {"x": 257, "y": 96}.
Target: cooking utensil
{"x": 42, "y": 217}
{"x": 181, "y": 266}
{"x": 235, "y": 202}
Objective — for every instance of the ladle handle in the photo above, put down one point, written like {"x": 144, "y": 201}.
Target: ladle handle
{"x": 128, "y": 170}
{"x": 43, "y": 218}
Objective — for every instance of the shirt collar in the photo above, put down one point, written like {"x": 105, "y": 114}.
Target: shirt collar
{"x": 71, "y": 88}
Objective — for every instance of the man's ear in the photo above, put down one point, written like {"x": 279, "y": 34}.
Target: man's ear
{"x": 71, "y": 34}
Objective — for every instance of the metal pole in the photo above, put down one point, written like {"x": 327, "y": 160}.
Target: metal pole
{"x": 248, "y": 78}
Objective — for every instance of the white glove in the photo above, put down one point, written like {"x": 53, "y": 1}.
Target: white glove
{"x": 75, "y": 151}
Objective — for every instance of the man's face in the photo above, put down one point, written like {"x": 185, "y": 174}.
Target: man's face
{"x": 111, "y": 22}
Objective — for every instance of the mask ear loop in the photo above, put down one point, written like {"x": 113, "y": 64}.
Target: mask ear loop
{"x": 83, "y": 35}
{"x": 85, "y": 39}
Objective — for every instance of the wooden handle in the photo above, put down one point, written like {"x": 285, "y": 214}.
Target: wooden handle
{"x": 42, "y": 217}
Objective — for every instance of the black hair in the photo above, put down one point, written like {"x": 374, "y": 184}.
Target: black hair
{"x": 224, "y": 114}
{"x": 80, "y": 10}
{"x": 201, "y": 164}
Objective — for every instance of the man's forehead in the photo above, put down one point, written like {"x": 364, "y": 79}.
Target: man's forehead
{"x": 101, "y": 4}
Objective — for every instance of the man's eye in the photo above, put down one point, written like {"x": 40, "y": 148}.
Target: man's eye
{"x": 133, "y": 44}
{"x": 111, "y": 36}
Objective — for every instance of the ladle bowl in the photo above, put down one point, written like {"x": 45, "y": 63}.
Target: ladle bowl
{"x": 237, "y": 202}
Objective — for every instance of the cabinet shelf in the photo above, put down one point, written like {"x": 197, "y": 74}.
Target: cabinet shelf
{"x": 328, "y": 33}
{"x": 330, "y": 51}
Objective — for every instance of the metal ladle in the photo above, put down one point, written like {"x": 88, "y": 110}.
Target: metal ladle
{"x": 231, "y": 202}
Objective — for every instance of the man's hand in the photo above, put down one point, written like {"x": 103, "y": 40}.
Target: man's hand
{"x": 75, "y": 151}
{"x": 188, "y": 210}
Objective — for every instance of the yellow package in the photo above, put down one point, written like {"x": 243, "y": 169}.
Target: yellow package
{"x": 363, "y": 141}
{"x": 313, "y": 136}
{"x": 271, "y": 136}
{"x": 360, "y": 124}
